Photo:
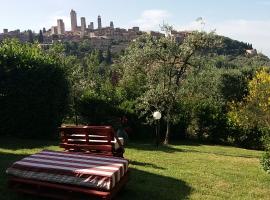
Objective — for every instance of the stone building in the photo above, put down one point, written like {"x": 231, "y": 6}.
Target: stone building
{"x": 111, "y": 24}
{"x": 60, "y": 27}
{"x": 99, "y": 22}
{"x": 91, "y": 26}
{"x": 83, "y": 26}
{"x": 155, "y": 34}
{"x": 54, "y": 30}
{"x": 179, "y": 36}
{"x": 73, "y": 17}
{"x": 22, "y": 36}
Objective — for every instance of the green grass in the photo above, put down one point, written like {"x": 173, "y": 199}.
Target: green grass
{"x": 183, "y": 171}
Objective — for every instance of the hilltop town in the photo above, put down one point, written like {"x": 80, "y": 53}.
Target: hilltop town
{"x": 100, "y": 37}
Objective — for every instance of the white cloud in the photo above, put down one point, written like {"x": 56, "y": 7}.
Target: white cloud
{"x": 151, "y": 19}
{"x": 255, "y": 32}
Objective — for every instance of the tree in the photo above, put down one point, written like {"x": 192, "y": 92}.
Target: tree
{"x": 40, "y": 37}
{"x": 233, "y": 85}
{"x": 108, "y": 58}
{"x": 33, "y": 91}
{"x": 158, "y": 66}
{"x": 252, "y": 114}
{"x": 254, "y": 110}
{"x": 30, "y": 36}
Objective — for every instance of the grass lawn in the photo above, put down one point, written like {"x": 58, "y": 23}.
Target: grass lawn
{"x": 183, "y": 171}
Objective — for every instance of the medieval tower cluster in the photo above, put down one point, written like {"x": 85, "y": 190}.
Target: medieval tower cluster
{"x": 93, "y": 31}
{"x": 100, "y": 36}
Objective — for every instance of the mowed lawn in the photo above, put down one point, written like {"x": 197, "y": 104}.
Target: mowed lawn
{"x": 182, "y": 171}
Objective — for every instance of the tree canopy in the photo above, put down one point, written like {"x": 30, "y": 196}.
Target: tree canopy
{"x": 153, "y": 70}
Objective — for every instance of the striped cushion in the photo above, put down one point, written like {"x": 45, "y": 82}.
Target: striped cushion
{"x": 102, "y": 172}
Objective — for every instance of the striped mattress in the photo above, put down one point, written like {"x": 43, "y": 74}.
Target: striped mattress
{"x": 101, "y": 172}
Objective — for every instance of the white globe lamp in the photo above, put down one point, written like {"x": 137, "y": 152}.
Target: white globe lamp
{"x": 157, "y": 115}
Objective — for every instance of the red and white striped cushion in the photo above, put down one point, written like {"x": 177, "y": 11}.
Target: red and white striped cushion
{"x": 102, "y": 172}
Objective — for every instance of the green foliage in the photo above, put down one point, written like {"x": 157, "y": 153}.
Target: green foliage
{"x": 233, "y": 85}
{"x": 33, "y": 91}
{"x": 265, "y": 161}
{"x": 79, "y": 49}
{"x": 205, "y": 105}
{"x": 95, "y": 109}
{"x": 252, "y": 114}
{"x": 239, "y": 61}
{"x": 153, "y": 69}
{"x": 108, "y": 57}
{"x": 232, "y": 47}
{"x": 255, "y": 109}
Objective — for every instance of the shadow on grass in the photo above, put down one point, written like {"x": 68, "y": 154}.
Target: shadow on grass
{"x": 146, "y": 186}
{"x": 152, "y": 147}
{"x": 219, "y": 153}
{"x": 147, "y": 145}
{"x": 150, "y": 165}
{"x": 6, "y": 161}
{"x": 15, "y": 144}
{"x": 172, "y": 149}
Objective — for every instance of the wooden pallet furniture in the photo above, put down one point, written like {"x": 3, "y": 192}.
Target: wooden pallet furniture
{"x": 92, "y": 139}
{"x": 62, "y": 191}
{"x": 79, "y": 143}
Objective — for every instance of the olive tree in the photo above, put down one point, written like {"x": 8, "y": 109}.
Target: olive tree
{"x": 153, "y": 69}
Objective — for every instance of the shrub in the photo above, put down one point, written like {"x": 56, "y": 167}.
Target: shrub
{"x": 96, "y": 109}
{"x": 265, "y": 161}
{"x": 211, "y": 122}
{"x": 33, "y": 91}
{"x": 233, "y": 85}
{"x": 252, "y": 114}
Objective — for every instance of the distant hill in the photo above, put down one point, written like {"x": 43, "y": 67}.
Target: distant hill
{"x": 233, "y": 47}
{"x": 234, "y": 54}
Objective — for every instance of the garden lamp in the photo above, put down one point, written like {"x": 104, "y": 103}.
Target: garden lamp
{"x": 157, "y": 117}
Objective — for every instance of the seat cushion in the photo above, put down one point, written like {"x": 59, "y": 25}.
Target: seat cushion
{"x": 95, "y": 171}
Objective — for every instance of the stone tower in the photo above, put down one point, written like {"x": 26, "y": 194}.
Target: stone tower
{"x": 60, "y": 27}
{"x": 73, "y": 17}
{"x": 99, "y": 22}
{"x": 91, "y": 26}
{"x": 83, "y": 24}
{"x": 111, "y": 24}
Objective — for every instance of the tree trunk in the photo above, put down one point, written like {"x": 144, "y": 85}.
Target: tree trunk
{"x": 168, "y": 130}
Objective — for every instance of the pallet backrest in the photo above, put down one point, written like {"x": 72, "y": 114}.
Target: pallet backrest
{"x": 87, "y": 138}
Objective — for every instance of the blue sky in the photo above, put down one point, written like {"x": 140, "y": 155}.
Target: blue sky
{"x": 245, "y": 20}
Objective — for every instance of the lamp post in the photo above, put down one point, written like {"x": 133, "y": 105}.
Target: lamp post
{"x": 157, "y": 117}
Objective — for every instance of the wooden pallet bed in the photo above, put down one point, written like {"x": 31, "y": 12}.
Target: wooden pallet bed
{"x": 91, "y": 165}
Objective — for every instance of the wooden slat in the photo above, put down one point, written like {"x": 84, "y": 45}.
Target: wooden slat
{"x": 88, "y": 147}
{"x": 97, "y": 137}
{"x": 98, "y": 143}
{"x": 76, "y": 136}
{"x": 100, "y": 132}
{"x": 76, "y": 142}
{"x": 87, "y": 138}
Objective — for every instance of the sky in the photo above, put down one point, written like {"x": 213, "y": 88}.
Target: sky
{"x": 244, "y": 20}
